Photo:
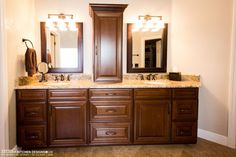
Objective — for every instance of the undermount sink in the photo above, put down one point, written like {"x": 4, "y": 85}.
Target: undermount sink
{"x": 156, "y": 82}
{"x": 57, "y": 83}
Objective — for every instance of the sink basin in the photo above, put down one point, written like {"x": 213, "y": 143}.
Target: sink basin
{"x": 57, "y": 83}
{"x": 156, "y": 82}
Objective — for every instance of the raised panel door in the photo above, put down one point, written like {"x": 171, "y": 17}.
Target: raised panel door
{"x": 67, "y": 123}
{"x": 152, "y": 121}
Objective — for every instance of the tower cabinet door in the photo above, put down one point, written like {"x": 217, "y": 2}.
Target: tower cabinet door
{"x": 152, "y": 121}
{"x": 108, "y": 28}
{"x": 67, "y": 123}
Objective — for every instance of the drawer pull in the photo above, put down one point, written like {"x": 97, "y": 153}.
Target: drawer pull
{"x": 110, "y": 94}
{"x": 32, "y": 113}
{"x": 110, "y": 133}
{"x": 33, "y": 137}
{"x": 111, "y": 110}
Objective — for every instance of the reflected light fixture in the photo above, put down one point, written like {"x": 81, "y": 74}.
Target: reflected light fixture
{"x": 62, "y": 22}
{"x": 148, "y": 23}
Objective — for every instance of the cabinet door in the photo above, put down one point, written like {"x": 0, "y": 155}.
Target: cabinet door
{"x": 152, "y": 121}
{"x": 67, "y": 123}
{"x": 108, "y": 46}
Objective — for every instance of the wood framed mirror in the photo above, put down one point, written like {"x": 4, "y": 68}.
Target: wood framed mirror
{"x": 146, "y": 51}
{"x": 62, "y": 50}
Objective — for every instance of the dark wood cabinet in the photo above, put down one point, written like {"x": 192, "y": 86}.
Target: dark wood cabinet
{"x": 152, "y": 114}
{"x": 67, "y": 117}
{"x": 31, "y": 118}
{"x": 111, "y": 116}
{"x": 184, "y": 115}
{"x": 107, "y": 32}
{"x": 67, "y": 123}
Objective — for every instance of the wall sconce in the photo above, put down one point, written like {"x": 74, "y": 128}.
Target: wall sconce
{"x": 148, "y": 23}
{"x": 61, "y": 21}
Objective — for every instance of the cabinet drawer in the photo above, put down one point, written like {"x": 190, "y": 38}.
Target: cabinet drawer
{"x": 31, "y": 112}
{"x": 32, "y": 136}
{"x": 109, "y": 133}
{"x": 185, "y": 110}
{"x": 99, "y": 94}
{"x": 152, "y": 93}
{"x": 71, "y": 94}
{"x": 31, "y": 94}
{"x": 110, "y": 110}
{"x": 191, "y": 93}
{"x": 184, "y": 132}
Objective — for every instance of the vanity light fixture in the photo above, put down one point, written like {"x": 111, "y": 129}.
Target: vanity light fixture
{"x": 61, "y": 21}
{"x": 148, "y": 23}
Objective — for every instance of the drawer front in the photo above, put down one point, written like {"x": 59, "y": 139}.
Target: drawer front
{"x": 109, "y": 133}
{"x": 152, "y": 93}
{"x": 191, "y": 93}
{"x": 71, "y": 94}
{"x": 185, "y": 110}
{"x": 31, "y": 112}
{"x": 104, "y": 94}
{"x": 110, "y": 110}
{"x": 30, "y": 94}
{"x": 184, "y": 132}
{"x": 32, "y": 136}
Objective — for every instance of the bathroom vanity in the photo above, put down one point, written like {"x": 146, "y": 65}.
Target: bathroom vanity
{"x": 106, "y": 115}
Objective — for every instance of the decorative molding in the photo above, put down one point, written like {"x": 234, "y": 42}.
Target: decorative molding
{"x": 213, "y": 137}
{"x": 232, "y": 83}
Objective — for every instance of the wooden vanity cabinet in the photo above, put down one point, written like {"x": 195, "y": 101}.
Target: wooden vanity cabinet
{"x": 31, "y": 118}
{"x": 110, "y": 116}
{"x": 184, "y": 115}
{"x": 152, "y": 116}
{"x": 67, "y": 117}
{"x": 107, "y": 32}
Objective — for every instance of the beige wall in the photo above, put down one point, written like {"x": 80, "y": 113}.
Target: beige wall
{"x": 200, "y": 43}
{"x": 20, "y": 24}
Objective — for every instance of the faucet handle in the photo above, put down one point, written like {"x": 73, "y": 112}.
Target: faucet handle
{"x": 56, "y": 77}
{"x": 68, "y": 78}
{"x": 154, "y": 76}
{"x": 141, "y": 76}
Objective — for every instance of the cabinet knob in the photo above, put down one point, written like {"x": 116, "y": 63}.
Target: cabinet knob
{"x": 110, "y": 133}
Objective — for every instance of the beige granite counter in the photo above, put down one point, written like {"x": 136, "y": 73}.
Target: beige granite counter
{"x": 163, "y": 83}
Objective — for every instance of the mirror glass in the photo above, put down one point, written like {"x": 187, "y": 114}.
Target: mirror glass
{"x": 62, "y": 50}
{"x": 43, "y": 67}
{"x": 147, "y": 50}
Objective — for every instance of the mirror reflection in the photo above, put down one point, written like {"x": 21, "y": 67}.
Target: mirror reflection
{"x": 147, "y": 51}
{"x": 62, "y": 48}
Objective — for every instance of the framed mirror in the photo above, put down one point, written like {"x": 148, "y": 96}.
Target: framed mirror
{"x": 62, "y": 50}
{"x": 146, "y": 51}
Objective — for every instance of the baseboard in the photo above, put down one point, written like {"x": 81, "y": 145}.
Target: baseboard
{"x": 15, "y": 148}
{"x": 213, "y": 137}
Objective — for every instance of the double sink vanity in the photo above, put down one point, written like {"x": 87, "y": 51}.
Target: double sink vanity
{"x": 87, "y": 113}
{"x": 108, "y": 109}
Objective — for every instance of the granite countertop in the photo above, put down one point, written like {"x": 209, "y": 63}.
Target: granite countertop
{"x": 162, "y": 83}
